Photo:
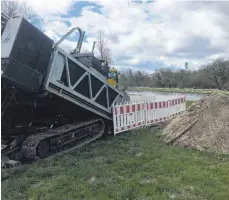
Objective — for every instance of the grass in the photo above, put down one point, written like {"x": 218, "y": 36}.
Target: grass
{"x": 134, "y": 165}
{"x": 180, "y": 90}
{"x": 189, "y": 103}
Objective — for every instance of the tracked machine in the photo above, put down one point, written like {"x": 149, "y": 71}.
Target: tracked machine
{"x": 52, "y": 101}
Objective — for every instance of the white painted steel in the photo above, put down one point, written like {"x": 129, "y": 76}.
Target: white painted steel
{"x": 9, "y": 35}
{"x": 128, "y": 116}
{"x": 144, "y": 113}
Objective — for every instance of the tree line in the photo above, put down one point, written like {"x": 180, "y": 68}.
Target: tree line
{"x": 214, "y": 75}
{"x": 17, "y": 8}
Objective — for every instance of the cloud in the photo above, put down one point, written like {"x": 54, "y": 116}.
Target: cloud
{"x": 46, "y": 8}
{"x": 122, "y": 68}
{"x": 163, "y": 33}
{"x": 58, "y": 27}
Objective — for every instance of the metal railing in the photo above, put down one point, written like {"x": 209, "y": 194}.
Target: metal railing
{"x": 132, "y": 115}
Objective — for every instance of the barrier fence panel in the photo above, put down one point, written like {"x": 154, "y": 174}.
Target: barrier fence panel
{"x": 177, "y": 105}
{"x": 156, "y": 112}
{"x": 136, "y": 114}
{"x": 128, "y": 116}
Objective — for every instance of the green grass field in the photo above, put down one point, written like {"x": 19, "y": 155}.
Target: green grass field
{"x": 134, "y": 165}
{"x": 179, "y": 90}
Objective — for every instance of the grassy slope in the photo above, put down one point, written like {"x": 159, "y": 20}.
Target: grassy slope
{"x": 178, "y": 90}
{"x": 189, "y": 103}
{"x": 134, "y": 165}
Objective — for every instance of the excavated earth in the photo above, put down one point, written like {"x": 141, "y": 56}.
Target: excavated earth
{"x": 203, "y": 126}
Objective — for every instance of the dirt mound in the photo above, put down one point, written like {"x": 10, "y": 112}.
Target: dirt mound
{"x": 204, "y": 125}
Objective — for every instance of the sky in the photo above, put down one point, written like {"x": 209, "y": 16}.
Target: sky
{"x": 143, "y": 35}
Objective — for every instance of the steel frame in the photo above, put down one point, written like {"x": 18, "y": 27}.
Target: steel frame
{"x": 83, "y": 100}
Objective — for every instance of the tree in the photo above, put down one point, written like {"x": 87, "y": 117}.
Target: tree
{"x": 212, "y": 75}
{"x": 103, "y": 48}
{"x": 17, "y": 8}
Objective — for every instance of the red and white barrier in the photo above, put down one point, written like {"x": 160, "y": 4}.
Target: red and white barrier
{"x": 136, "y": 114}
{"x": 128, "y": 116}
{"x": 157, "y": 112}
{"x": 176, "y": 105}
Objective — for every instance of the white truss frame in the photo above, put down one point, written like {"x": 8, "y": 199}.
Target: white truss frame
{"x": 82, "y": 100}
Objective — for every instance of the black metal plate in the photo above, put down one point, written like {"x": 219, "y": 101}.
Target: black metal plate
{"x": 32, "y": 47}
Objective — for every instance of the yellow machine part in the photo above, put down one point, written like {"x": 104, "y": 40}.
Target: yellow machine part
{"x": 113, "y": 70}
{"x": 111, "y": 82}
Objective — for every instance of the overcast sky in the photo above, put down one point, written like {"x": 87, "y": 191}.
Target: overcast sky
{"x": 145, "y": 36}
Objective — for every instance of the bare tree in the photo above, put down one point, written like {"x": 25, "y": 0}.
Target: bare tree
{"x": 17, "y": 8}
{"x": 103, "y": 48}
{"x": 212, "y": 75}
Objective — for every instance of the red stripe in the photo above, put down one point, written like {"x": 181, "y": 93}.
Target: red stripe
{"x": 151, "y": 105}
{"x": 116, "y": 111}
{"x": 155, "y": 105}
{"x": 138, "y": 107}
{"x": 128, "y": 109}
{"x": 133, "y": 108}
{"x": 128, "y": 126}
{"x": 121, "y": 110}
{"x": 143, "y": 106}
{"x": 147, "y": 106}
{"x": 164, "y": 104}
{"x": 159, "y": 104}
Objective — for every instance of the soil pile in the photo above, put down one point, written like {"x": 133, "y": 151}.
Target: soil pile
{"x": 204, "y": 125}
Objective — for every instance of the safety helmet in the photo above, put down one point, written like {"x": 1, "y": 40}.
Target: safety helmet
{"x": 113, "y": 69}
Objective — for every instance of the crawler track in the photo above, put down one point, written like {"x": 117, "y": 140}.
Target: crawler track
{"x": 60, "y": 140}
